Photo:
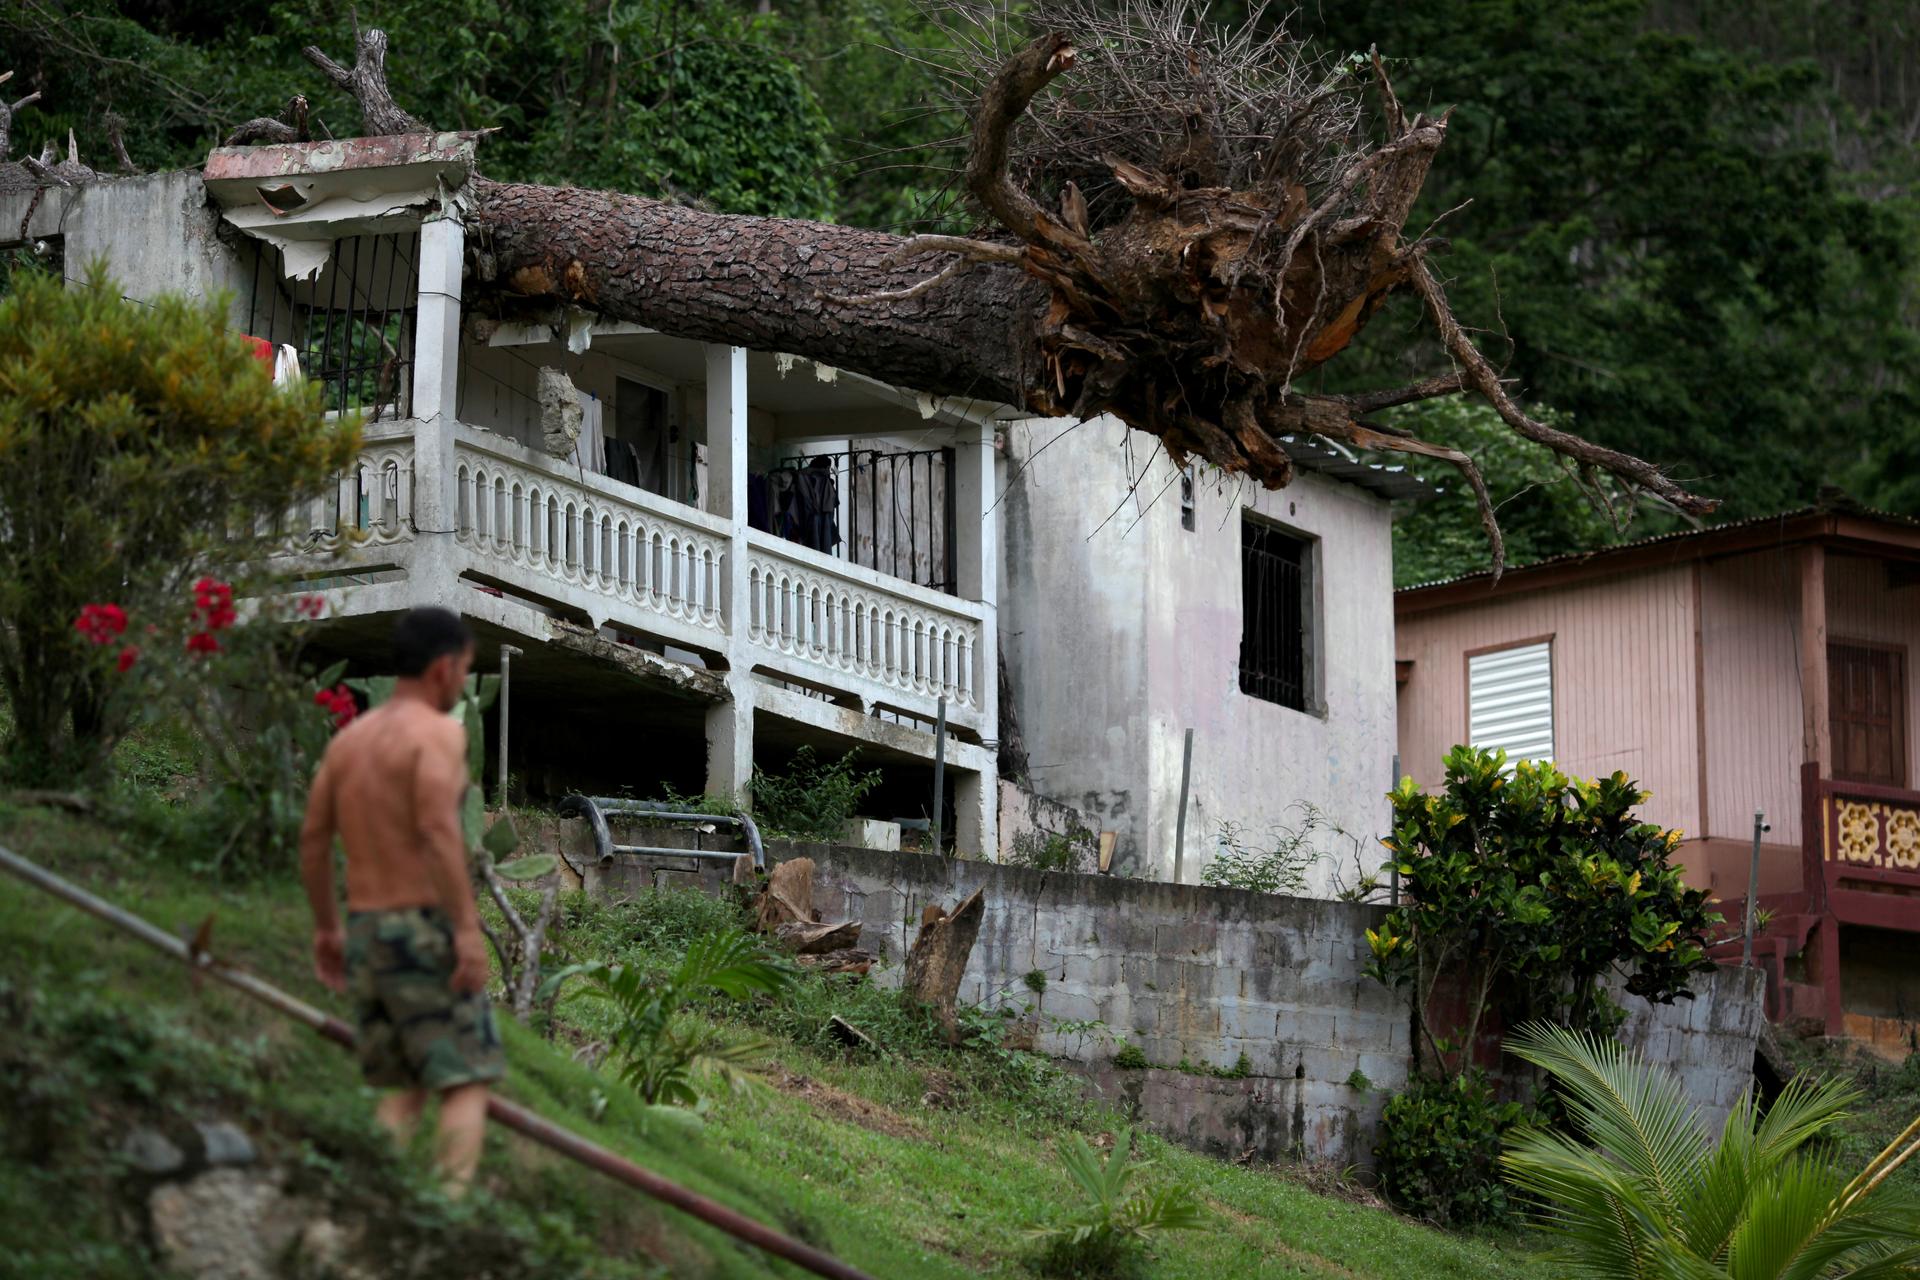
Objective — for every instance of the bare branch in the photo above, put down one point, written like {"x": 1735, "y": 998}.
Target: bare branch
{"x": 1482, "y": 377}
{"x": 1004, "y": 102}
{"x": 367, "y": 84}
{"x": 117, "y": 142}
{"x": 1444, "y": 384}
{"x": 6, "y": 118}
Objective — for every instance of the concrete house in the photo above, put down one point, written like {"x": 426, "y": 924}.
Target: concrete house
{"x": 707, "y": 557}
{"x": 725, "y": 555}
{"x": 1760, "y": 665}
{"x": 1138, "y": 602}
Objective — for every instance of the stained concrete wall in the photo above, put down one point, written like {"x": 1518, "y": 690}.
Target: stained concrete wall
{"x": 1122, "y": 628}
{"x": 154, "y": 234}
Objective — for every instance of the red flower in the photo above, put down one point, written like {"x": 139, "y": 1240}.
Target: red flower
{"x": 213, "y": 601}
{"x": 339, "y": 704}
{"x": 203, "y": 642}
{"x": 128, "y": 656}
{"x": 100, "y": 623}
{"x": 310, "y": 606}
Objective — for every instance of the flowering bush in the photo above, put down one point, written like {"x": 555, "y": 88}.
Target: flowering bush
{"x": 261, "y": 717}
{"x": 132, "y": 440}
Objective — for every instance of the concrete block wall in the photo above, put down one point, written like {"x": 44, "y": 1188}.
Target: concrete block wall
{"x": 1181, "y": 971}
{"x": 1709, "y": 1039}
{"x": 1204, "y": 975}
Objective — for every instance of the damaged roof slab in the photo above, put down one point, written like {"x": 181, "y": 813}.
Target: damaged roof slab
{"x": 300, "y": 196}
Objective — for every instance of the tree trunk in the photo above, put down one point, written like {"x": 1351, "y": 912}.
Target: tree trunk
{"x": 938, "y": 958}
{"x": 765, "y": 283}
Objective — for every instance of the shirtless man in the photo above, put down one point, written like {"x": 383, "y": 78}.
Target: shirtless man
{"x": 390, "y": 787}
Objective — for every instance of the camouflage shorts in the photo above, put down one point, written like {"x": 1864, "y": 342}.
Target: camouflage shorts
{"x": 416, "y": 1032}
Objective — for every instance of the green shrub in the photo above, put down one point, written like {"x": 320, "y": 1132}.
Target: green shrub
{"x": 1439, "y": 1152}
{"x": 1129, "y": 1057}
{"x": 1108, "y": 1234}
{"x": 811, "y": 800}
{"x": 1278, "y": 864}
{"x": 1529, "y": 887}
{"x": 668, "y": 1057}
{"x": 1076, "y": 850}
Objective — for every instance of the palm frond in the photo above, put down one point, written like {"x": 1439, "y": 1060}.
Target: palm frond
{"x": 1635, "y": 1112}
{"x": 1597, "y": 1214}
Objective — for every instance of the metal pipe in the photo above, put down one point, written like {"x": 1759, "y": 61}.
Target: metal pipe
{"x": 506, "y": 677}
{"x": 522, "y": 1121}
{"x": 596, "y": 808}
{"x": 1393, "y": 882}
{"x": 1753, "y": 888}
{"x": 1180, "y": 821}
{"x": 939, "y": 775}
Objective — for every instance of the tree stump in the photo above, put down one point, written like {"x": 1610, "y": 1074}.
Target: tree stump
{"x": 788, "y": 897}
{"x": 938, "y": 958}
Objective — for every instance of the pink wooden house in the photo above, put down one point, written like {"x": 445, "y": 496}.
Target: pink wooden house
{"x": 1758, "y": 666}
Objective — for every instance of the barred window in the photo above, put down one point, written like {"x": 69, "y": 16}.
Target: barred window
{"x": 1276, "y": 635}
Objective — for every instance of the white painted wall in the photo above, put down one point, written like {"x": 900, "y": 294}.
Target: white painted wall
{"x": 1117, "y": 641}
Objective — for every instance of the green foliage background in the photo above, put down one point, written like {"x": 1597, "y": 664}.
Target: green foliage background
{"x": 1695, "y": 223}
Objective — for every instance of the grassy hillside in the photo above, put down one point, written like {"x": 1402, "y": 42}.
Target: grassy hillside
{"x": 921, "y": 1163}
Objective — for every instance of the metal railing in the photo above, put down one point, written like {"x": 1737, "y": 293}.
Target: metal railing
{"x": 893, "y": 512}
{"x": 596, "y": 809}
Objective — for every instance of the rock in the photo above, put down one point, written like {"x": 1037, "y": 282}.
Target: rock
{"x": 225, "y": 1224}
{"x": 224, "y": 1143}
{"x": 150, "y": 1152}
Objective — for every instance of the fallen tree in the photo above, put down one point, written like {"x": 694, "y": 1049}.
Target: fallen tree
{"x": 1180, "y": 223}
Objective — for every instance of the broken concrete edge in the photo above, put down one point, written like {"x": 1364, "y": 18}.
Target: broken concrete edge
{"x": 659, "y": 673}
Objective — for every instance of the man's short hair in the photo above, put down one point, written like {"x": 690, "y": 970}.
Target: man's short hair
{"x": 424, "y": 634}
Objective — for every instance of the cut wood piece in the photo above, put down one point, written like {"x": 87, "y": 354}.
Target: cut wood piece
{"x": 852, "y": 961}
{"x": 848, "y": 1034}
{"x": 788, "y": 897}
{"x": 816, "y": 939}
{"x": 938, "y": 958}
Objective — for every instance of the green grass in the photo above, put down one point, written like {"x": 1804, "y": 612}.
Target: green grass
{"x": 919, "y": 1163}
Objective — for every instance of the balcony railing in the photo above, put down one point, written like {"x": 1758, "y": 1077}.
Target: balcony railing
{"x": 627, "y": 557}
{"x": 528, "y": 518}
{"x": 836, "y": 620}
{"x": 1870, "y": 852}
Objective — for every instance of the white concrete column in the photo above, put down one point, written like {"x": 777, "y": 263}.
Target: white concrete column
{"x": 730, "y": 725}
{"x": 436, "y": 382}
{"x": 977, "y": 565}
{"x": 977, "y": 559}
{"x": 730, "y": 742}
{"x": 976, "y": 807}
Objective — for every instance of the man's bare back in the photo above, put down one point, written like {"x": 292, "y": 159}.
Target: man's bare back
{"x": 395, "y": 777}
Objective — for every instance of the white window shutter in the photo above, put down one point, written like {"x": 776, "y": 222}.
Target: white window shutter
{"x": 1510, "y": 701}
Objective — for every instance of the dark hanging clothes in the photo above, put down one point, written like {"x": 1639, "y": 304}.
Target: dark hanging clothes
{"x": 759, "y": 516}
{"x": 622, "y": 463}
{"x": 804, "y": 505}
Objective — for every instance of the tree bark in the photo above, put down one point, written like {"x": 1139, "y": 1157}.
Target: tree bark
{"x": 766, "y": 283}
{"x": 938, "y": 958}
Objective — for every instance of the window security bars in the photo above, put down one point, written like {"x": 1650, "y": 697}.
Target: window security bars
{"x": 895, "y": 513}
{"x": 1273, "y": 636}
{"x": 352, "y": 324}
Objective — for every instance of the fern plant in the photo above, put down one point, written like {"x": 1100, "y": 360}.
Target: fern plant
{"x": 1649, "y": 1196}
{"x": 1109, "y": 1232}
{"x": 667, "y": 1055}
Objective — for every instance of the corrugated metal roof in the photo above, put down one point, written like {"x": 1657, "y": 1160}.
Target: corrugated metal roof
{"x": 1309, "y": 453}
{"x": 1677, "y": 535}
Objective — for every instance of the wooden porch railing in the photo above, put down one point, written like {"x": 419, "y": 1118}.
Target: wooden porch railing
{"x": 1868, "y": 854}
